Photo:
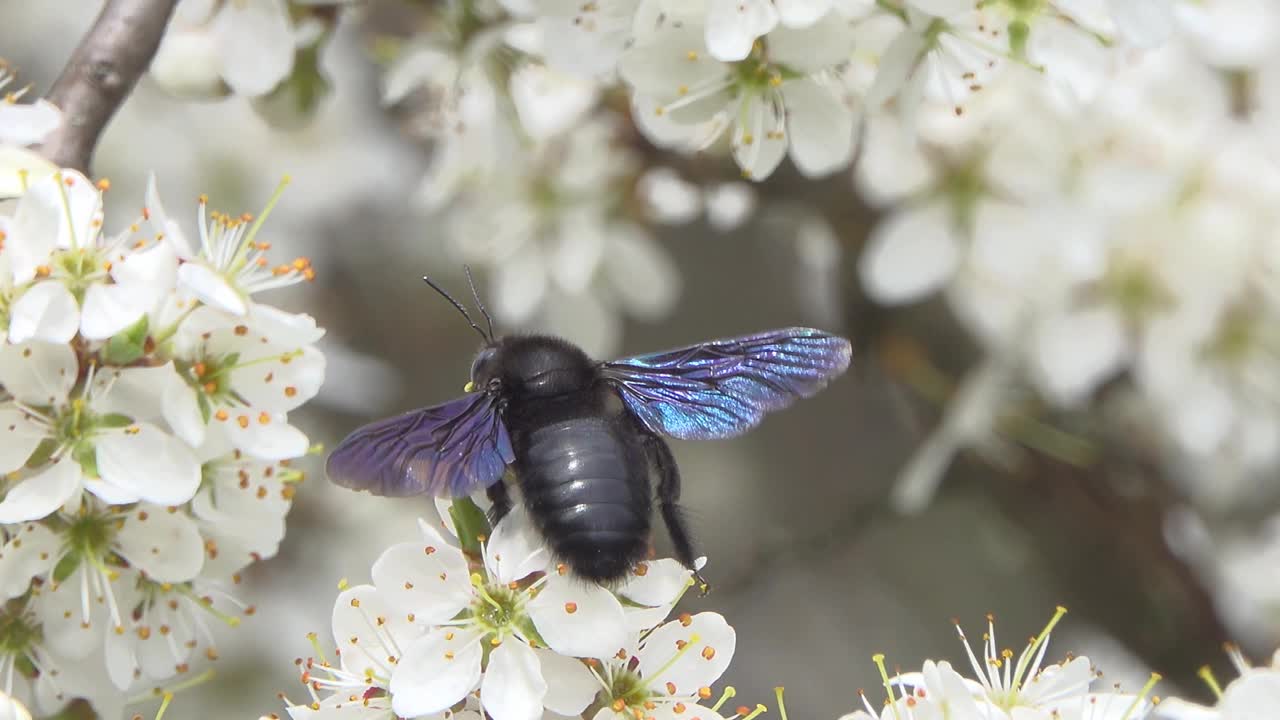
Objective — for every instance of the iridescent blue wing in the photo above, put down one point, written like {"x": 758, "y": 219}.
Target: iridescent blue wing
{"x": 452, "y": 449}
{"x": 723, "y": 388}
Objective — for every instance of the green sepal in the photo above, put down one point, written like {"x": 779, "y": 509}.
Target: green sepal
{"x": 86, "y": 456}
{"x": 66, "y": 566}
{"x": 114, "y": 420}
{"x": 470, "y": 522}
{"x": 206, "y": 411}
{"x": 43, "y": 453}
{"x": 127, "y": 345}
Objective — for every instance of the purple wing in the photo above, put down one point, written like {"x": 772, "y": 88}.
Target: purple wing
{"x": 451, "y": 449}
{"x": 723, "y": 388}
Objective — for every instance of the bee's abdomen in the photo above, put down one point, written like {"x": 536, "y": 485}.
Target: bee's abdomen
{"x": 586, "y": 486}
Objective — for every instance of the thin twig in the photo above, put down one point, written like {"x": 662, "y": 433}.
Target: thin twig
{"x": 100, "y": 75}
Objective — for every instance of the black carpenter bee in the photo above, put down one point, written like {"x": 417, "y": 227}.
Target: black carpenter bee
{"x": 583, "y": 437}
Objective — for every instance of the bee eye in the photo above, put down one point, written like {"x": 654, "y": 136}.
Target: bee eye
{"x": 482, "y": 368}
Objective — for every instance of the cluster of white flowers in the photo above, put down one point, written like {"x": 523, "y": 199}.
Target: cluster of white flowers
{"x": 145, "y": 446}
{"x": 1131, "y": 240}
{"x": 1004, "y": 687}
{"x": 467, "y": 623}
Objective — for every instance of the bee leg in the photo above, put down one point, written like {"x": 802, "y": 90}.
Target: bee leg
{"x": 501, "y": 501}
{"x": 668, "y": 497}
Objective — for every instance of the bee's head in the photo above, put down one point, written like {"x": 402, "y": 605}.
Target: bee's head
{"x": 486, "y": 369}
{"x": 530, "y": 366}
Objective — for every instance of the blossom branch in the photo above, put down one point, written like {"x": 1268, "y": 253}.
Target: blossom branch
{"x": 100, "y": 75}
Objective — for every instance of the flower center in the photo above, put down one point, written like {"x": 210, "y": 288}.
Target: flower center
{"x": 89, "y": 537}
{"x": 19, "y": 632}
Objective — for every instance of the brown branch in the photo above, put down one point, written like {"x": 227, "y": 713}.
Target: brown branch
{"x": 100, "y": 75}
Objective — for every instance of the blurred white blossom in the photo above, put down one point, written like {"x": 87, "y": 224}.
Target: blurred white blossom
{"x": 1253, "y": 695}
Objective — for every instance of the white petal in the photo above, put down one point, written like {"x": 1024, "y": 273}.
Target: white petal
{"x": 32, "y": 550}
{"x": 1146, "y": 23}
{"x": 642, "y": 274}
{"x": 428, "y": 579}
{"x": 162, "y": 224}
{"x": 661, "y": 583}
{"x": 19, "y": 436}
{"x": 149, "y": 463}
{"x": 733, "y": 25}
{"x": 255, "y": 41}
{"x": 165, "y": 545}
{"x": 578, "y": 618}
{"x": 514, "y": 550}
{"x": 729, "y": 205}
{"x": 181, "y": 409}
{"x": 274, "y": 439}
{"x": 699, "y": 664}
{"x": 108, "y": 309}
{"x": 108, "y": 493}
{"x": 14, "y": 162}
{"x": 513, "y": 686}
{"x": 820, "y": 46}
{"x": 47, "y": 311}
{"x": 186, "y": 64}
{"x": 898, "y": 63}
{"x": 801, "y": 13}
{"x": 819, "y": 126}
{"x": 28, "y": 124}
{"x": 1255, "y": 696}
{"x": 367, "y": 630}
{"x": 133, "y": 391}
{"x": 284, "y": 328}
{"x": 211, "y": 288}
{"x": 40, "y": 222}
{"x": 1077, "y": 351}
{"x": 426, "y": 680}
{"x": 281, "y": 384}
{"x": 42, "y": 493}
{"x": 570, "y": 685}
{"x": 547, "y": 102}
{"x": 911, "y": 254}
{"x": 668, "y": 197}
{"x": 38, "y": 373}
{"x": 759, "y": 139}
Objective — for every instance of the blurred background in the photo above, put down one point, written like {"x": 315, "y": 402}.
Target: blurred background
{"x": 809, "y": 559}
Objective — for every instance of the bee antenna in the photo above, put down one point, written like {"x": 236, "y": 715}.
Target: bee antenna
{"x": 480, "y": 304}
{"x": 458, "y": 305}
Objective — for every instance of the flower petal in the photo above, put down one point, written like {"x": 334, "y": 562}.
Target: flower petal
{"x": 165, "y": 545}
{"x": 38, "y": 373}
{"x": 514, "y": 550}
{"x": 435, "y": 673}
{"x": 733, "y": 25}
{"x": 256, "y": 45}
{"x": 367, "y": 630}
{"x": 31, "y": 551}
{"x": 655, "y": 582}
{"x": 19, "y": 436}
{"x": 819, "y": 127}
{"x": 108, "y": 309}
{"x": 47, "y": 311}
{"x": 699, "y": 663}
{"x": 211, "y": 288}
{"x": 28, "y": 124}
{"x": 513, "y": 686}
{"x": 42, "y": 493}
{"x": 759, "y": 139}
{"x": 150, "y": 463}
{"x": 570, "y": 685}
{"x": 282, "y": 383}
{"x": 577, "y": 618}
{"x": 1078, "y": 350}
{"x": 911, "y": 254}
{"x": 265, "y": 436}
{"x": 428, "y": 579}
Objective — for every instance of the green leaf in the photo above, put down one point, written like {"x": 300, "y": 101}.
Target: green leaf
{"x": 127, "y": 345}
{"x": 471, "y": 524}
